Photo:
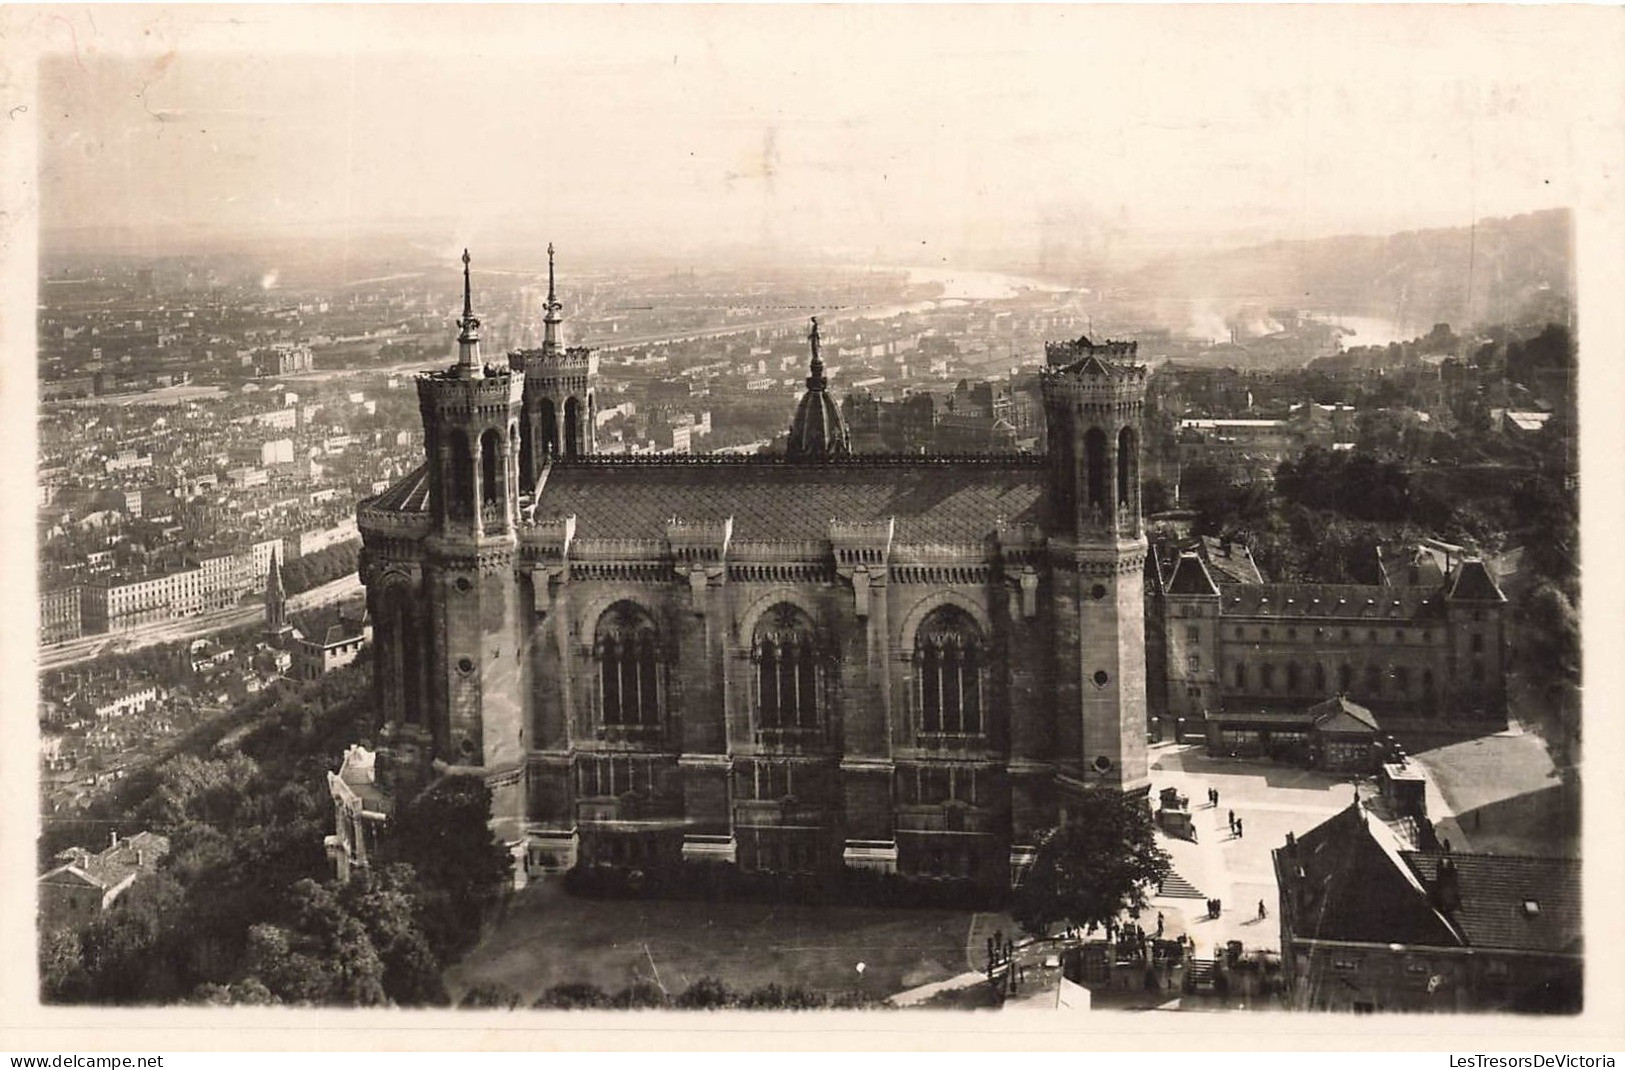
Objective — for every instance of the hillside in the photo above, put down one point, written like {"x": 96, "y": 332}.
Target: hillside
{"x": 1416, "y": 278}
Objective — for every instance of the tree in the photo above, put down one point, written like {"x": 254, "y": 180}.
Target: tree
{"x": 445, "y": 835}
{"x": 1155, "y": 497}
{"x": 1094, "y": 866}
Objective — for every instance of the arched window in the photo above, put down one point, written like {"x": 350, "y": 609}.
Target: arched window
{"x": 784, "y": 648}
{"x": 490, "y": 468}
{"x": 627, "y": 647}
{"x": 462, "y": 479}
{"x": 1373, "y": 680}
{"x": 550, "y": 430}
{"x": 1345, "y": 678}
{"x": 1427, "y": 682}
{"x": 948, "y": 653}
{"x": 1094, "y": 451}
{"x": 572, "y": 428}
{"x": 1268, "y": 674}
{"x": 1320, "y": 678}
{"x": 1294, "y": 677}
{"x": 1127, "y": 468}
{"x": 1241, "y": 676}
{"x": 527, "y": 459}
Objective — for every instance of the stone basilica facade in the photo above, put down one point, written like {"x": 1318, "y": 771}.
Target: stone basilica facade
{"x": 793, "y": 663}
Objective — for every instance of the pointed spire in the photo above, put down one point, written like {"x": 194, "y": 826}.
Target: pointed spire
{"x": 468, "y": 334}
{"x": 551, "y": 318}
{"x": 276, "y": 597}
{"x": 815, "y": 380}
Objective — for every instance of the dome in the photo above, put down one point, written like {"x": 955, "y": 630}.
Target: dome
{"x": 818, "y": 430}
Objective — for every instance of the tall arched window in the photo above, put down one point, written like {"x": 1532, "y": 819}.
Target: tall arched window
{"x": 462, "y": 478}
{"x": 1267, "y": 673}
{"x": 785, "y": 650}
{"x": 550, "y": 429}
{"x": 1320, "y": 678}
{"x": 1373, "y": 680}
{"x": 1094, "y": 450}
{"x": 949, "y": 654}
{"x": 1241, "y": 676}
{"x": 490, "y": 468}
{"x": 527, "y": 456}
{"x": 572, "y": 428}
{"x": 1127, "y": 469}
{"x": 628, "y": 650}
{"x": 1345, "y": 678}
{"x": 1294, "y": 677}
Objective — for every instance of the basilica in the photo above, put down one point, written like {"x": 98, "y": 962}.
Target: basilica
{"x": 793, "y": 663}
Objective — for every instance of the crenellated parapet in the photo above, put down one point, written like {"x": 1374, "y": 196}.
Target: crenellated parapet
{"x": 450, "y": 394}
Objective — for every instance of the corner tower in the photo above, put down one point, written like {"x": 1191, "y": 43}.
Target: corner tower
{"x": 471, "y": 415}
{"x": 1094, "y": 400}
{"x": 560, "y": 406}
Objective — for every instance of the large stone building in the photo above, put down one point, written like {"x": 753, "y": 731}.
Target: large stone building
{"x": 793, "y": 663}
{"x": 1429, "y": 651}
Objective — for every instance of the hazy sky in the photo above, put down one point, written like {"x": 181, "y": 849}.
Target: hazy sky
{"x": 881, "y": 131}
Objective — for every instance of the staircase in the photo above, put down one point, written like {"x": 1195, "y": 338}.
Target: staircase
{"x": 1200, "y": 973}
{"x": 1176, "y": 887}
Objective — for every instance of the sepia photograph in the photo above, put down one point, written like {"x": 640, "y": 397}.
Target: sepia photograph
{"x": 853, "y": 510}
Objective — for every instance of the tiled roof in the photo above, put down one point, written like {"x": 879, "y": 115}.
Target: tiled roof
{"x": 1338, "y": 714}
{"x": 1191, "y": 577}
{"x": 1494, "y": 890}
{"x": 1357, "y": 888}
{"x": 332, "y": 624}
{"x": 1472, "y": 582}
{"x": 409, "y": 494}
{"x": 1233, "y": 561}
{"x": 1340, "y": 601}
{"x": 933, "y": 500}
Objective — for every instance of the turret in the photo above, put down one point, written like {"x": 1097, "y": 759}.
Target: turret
{"x": 471, "y": 437}
{"x": 560, "y": 403}
{"x": 1094, "y": 399}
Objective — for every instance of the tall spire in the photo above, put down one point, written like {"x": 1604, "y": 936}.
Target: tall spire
{"x": 276, "y": 598}
{"x": 551, "y": 318}
{"x": 468, "y": 334}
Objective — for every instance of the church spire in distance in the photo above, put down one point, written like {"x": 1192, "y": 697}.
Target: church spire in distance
{"x": 468, "y": 332}
{"x": 550, "y": 317}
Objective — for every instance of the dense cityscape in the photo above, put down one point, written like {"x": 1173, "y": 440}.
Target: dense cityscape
{"x": 882, "y": 509}
{"x": 207, "y": 431}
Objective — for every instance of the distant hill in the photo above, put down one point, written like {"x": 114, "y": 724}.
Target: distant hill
{"x": 1416, "y": 278}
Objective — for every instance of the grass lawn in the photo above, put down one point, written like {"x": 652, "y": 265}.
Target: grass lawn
{"x": 548, "y": 937}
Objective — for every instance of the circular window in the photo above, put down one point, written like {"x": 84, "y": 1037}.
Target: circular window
{"x": 1098, "y": 591}
{"x": 466, "y": 746}
{"x": 463, "y": 584}
{"x": 1101, "y": 678}
{"x": 465, "y": 665}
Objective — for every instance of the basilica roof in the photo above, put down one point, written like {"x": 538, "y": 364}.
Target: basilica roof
{"x": 934, "y": 500}
{"x": 409, "y": 494}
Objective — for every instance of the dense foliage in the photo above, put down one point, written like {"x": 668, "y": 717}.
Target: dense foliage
{"x": 323, "y": 566}
{"x": 1094, "y": 867}
{"x": 243, "y": 910}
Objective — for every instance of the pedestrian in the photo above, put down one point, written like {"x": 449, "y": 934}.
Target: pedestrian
{"x": 1215, "y": 796}
{"x": 1262, "y": 913}
{"x": 1232, "y": 821}
{"x": 1238, "y": 828}
{"x": 1159, "y": 925}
